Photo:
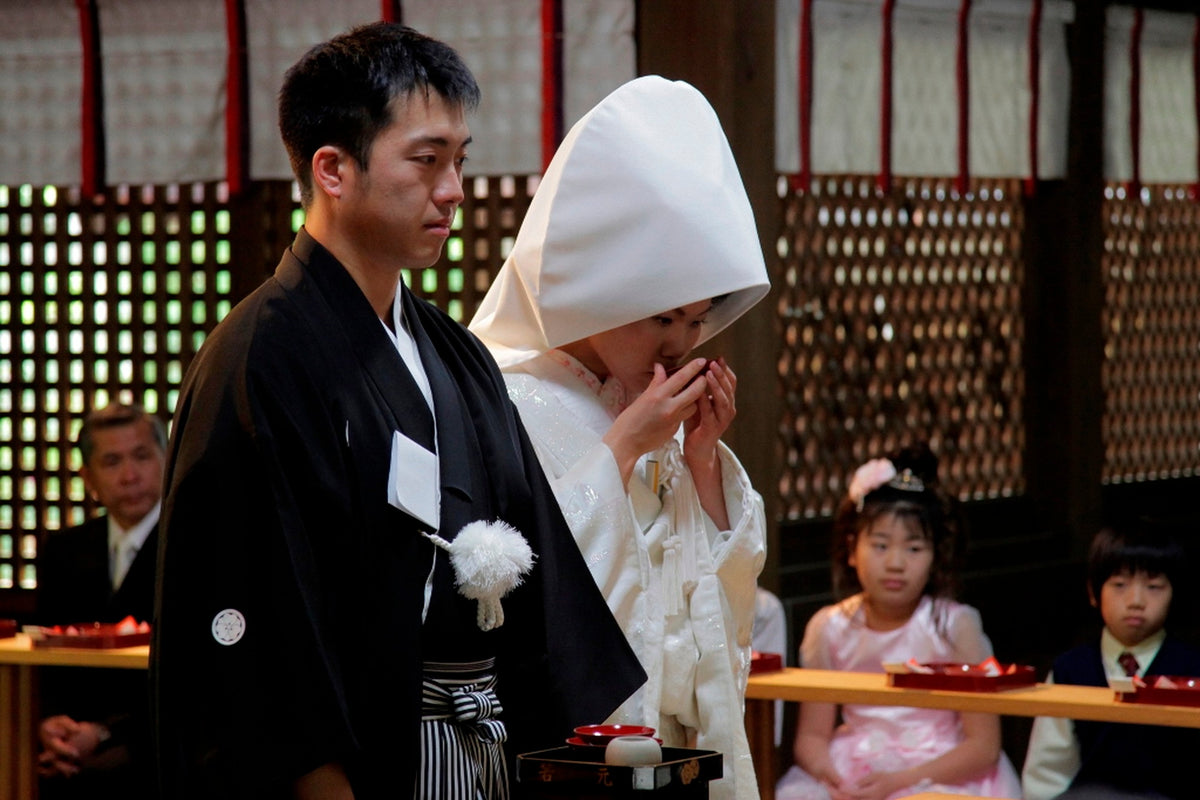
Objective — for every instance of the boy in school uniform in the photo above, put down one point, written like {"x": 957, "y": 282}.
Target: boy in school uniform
{"x": 1132, "y": 575}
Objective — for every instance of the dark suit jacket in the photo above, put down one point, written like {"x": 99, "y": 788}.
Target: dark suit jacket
{"x": 74, "y": 587}
{"x": 73, "y": 583}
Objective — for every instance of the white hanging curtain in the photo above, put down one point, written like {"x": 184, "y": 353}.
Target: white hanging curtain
{"x": 849, "y": 117}
{"x": 502, "y": 44}
{"x": 278, "y": 32}
{"x": 41, "y": 86}
{"x": 163, "y": 69}
{"x": 164, "y": 72}
{"x": 1149, "y": 69}
{"x": 1001, "y": 94}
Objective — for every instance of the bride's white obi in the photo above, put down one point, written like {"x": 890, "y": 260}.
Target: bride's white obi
{"x": 682, "y": 591}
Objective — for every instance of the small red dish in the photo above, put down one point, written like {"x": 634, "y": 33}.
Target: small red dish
{"x": 699, "y": 374}
{"x": 603, "y": 734}
{"x": 765, "y": 662}
{"x": 95, "y": 636}
{"x": 8, "y": 628}
{"x": 965, "y": 677}
{"x": 1169, "y": 690}
{"x": 579, "y": 741}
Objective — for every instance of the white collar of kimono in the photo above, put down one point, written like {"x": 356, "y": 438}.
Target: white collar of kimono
{"x": 611, "y": 391}
{"x": 406, "y": 345}
{"x": 642, "y": 210}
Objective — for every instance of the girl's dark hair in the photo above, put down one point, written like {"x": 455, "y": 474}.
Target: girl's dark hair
{"x": 341, "y": 92}
{"x": 930, "y": 510}
{"x": 1143, "y": 546}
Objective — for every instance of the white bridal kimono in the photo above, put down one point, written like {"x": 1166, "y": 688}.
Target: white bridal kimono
{"x": 682, "y": 591}
{"x": 642, "y": 211}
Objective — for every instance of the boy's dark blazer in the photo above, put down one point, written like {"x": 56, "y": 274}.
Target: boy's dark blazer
{"x": 1133, "y": 758}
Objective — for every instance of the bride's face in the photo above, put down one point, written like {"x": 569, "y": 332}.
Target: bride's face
{"x": 630, "y": 352}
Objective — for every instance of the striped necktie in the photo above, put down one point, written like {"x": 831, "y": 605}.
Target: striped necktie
{"x": 1129, "y": 663}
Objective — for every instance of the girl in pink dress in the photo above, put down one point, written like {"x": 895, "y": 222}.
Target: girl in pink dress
{"x": 895, "y": 549}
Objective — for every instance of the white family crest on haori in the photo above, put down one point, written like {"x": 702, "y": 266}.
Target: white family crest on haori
{"x": 489, "y": 560}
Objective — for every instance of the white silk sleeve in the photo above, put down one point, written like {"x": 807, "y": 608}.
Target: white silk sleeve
{"x": 739, "y": 553}
{"x": 601, "y": 518}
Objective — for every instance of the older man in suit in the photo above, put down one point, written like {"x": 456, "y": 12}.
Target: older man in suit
{"x": 94, "y": 734}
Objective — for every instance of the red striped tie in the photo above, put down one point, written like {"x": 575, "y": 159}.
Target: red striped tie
{"x": 1128, "y": 662}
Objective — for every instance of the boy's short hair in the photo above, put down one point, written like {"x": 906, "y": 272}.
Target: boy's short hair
{"x": 1144, "y": 546}
{"x": 341, "y": 92}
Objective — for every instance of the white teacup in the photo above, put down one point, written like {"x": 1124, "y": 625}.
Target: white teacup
{"x": 633, "y": 751}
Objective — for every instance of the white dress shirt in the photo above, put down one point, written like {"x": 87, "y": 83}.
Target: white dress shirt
{"x": 123, "y": 545}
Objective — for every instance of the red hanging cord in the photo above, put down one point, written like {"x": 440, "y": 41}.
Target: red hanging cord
{"x": 91, "y": 102}
{"x": 1195, "y": 189}
{"x": 552, "y": 75}
{"x": 884, "y": 179}
{"x": 963, "y": 77}
{"x": 803, "y": 181}
{"x": 1035, "y": 92}
{"x": 237, "y": 104}
{"x": 391, "y": 11}
{"x": 1135, "y": 100}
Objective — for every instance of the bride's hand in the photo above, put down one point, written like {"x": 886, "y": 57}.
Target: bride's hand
{"x": 715, "y": 411}
{"x": 654, "y": 417}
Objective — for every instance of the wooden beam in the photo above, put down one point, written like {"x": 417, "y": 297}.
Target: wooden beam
{"x": 727, "y": 51}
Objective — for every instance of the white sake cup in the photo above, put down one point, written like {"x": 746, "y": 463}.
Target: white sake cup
{"x": 633, "y": 751}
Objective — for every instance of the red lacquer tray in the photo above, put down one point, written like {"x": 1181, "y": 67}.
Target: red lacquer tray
{"x": 8, "y": 628}
{"x": 94, "y": 636}
{"x": 765, "y": 662}
{"x": 1167, "y": 690}
{"x": 965, "y": 677}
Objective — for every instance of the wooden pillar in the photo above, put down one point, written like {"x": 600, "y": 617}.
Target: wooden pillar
{"x": 727, "y": 51}
{"x": 260, "y": 230}
{"x": 1063, "y": 303}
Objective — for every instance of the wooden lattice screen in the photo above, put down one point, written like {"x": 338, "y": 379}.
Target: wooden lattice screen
{"x": 1151, "y": 275}
{"x": 901, "y": 319}
{"x": 100, "y": 299}
{"x": 899, "y": 314}
{"x": 110, "y": 298}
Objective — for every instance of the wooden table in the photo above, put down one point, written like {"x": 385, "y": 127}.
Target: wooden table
{"x": 832, "y": 686}
{"x": 18, "y": 702}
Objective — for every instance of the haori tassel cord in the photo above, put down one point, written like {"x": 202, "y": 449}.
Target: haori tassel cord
{"x": 489, "y": 559}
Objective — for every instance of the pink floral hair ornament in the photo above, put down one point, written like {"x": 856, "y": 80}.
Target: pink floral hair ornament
{"x": 869, "y": 477}
{"x": 877, "y": 472}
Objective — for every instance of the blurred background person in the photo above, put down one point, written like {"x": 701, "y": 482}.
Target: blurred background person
{"x": 94, "y": 732}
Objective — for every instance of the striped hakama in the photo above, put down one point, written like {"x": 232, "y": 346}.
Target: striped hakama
{"x": 462, "y": 739}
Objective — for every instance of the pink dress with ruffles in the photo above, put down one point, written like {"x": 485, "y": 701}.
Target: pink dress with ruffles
{"x": 891, "y": 738}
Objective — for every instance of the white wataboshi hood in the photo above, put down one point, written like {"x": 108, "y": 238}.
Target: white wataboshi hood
{"x": 641, "y": 211}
